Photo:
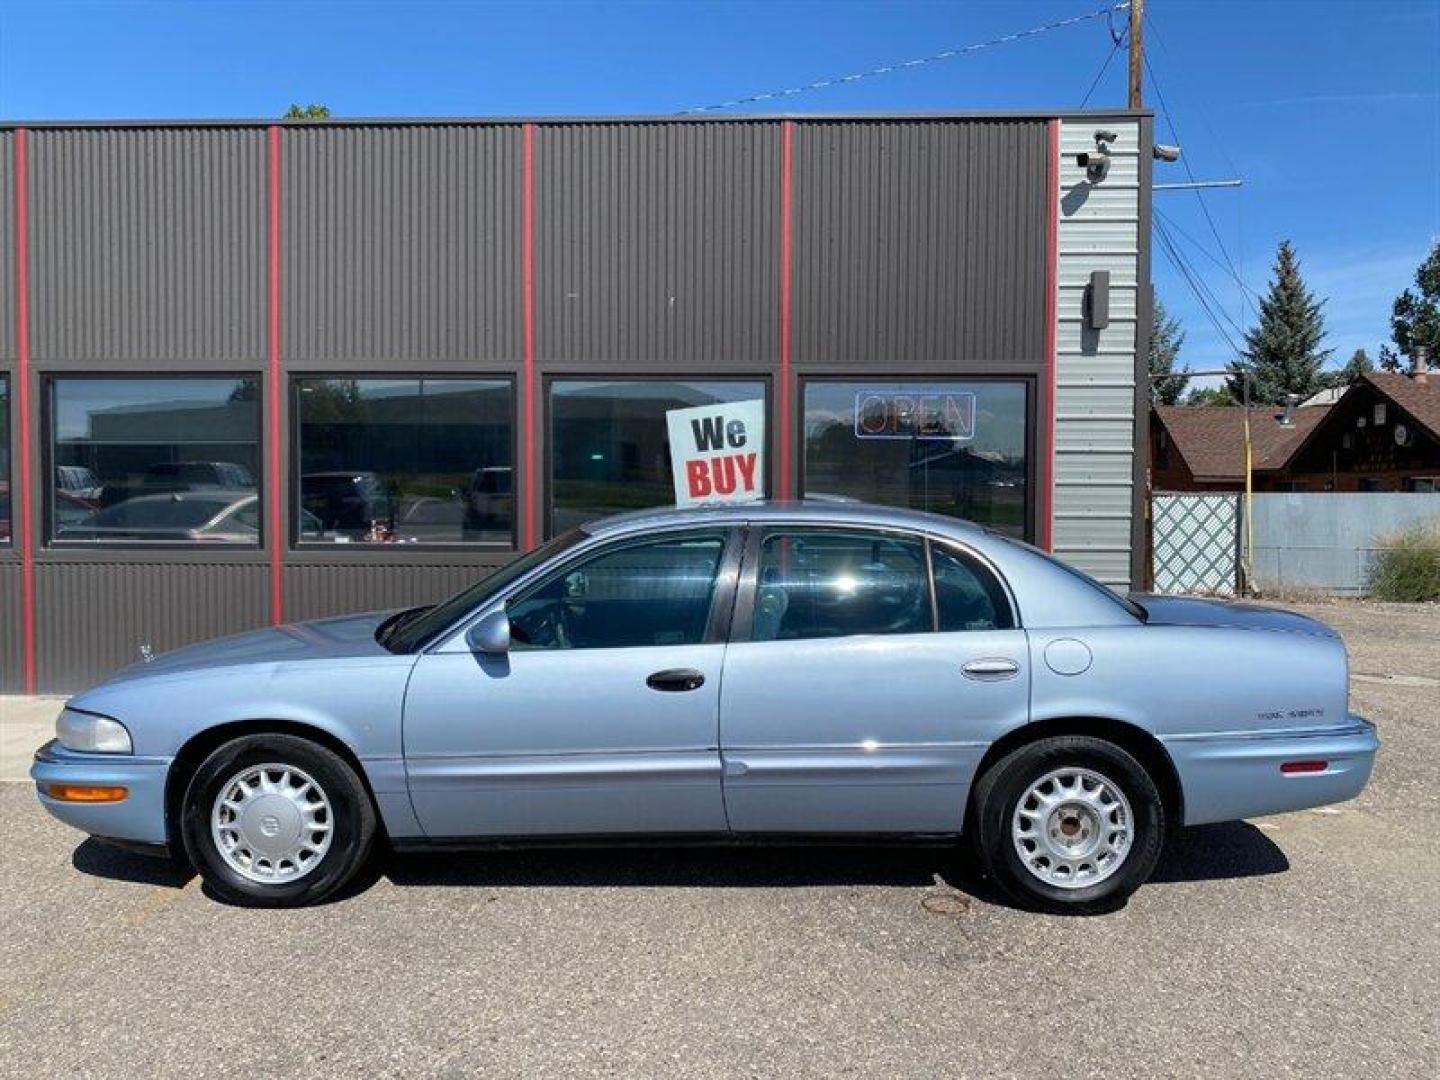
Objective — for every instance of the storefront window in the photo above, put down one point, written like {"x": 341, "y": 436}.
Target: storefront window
{"x": 609, "y": 451}
{"x": 143, "y": 460}
{"x": 405, "y": 461}
{"x": 955, "y": 448}
{"x": 4, "y": 461}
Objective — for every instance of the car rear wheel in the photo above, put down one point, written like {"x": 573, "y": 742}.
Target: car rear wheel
{"x": 1069, "y": 824}
{"x": 274, "y": 820}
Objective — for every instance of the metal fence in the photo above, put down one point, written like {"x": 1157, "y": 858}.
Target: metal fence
{"x": 1195, "y": 542}
{"x": 1327, "y": 541}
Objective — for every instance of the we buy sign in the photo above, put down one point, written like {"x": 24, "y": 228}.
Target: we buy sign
{"x": 717, "y": 452}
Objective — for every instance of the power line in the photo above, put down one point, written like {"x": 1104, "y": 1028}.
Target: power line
{"x": 921, "y": 61}
{"x": 1170, "y": 223}
{"x": 1198, "y": 283}
{"x": 1199, "y": 195}
{"x": 1114, "y": 48}
{"x": 1177, "y": 260}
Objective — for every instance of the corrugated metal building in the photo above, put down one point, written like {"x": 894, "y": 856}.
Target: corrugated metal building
{"x": 255, "y": 371}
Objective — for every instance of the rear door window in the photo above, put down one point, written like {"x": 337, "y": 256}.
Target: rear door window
{"x": 827, "y": 583}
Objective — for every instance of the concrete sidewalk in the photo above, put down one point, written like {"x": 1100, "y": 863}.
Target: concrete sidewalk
{"x": 26, "y": 723}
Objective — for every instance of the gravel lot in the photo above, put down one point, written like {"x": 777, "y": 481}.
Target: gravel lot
{"x": 1293, "y": 945}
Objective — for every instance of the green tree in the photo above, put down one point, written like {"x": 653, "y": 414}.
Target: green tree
{"x": 307, "y": 112}
{"x": 1415, "y": 317}
{"x": 1210, "y": 395}
{"x": 1282, "y": 352}
{"x": 1166, "y": 336}
{"x": 1359, "y": 364}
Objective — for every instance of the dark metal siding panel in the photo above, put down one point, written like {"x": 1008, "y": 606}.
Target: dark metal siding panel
{"x": 920, "y": 243}
{"x": 401, "y": 243}
{"x": 7, "y": 245}
{"x": 147, "y": 245}
{"x": 11, "y": 674}
{"x": 94, "y": 616}
{"x": 658, "y": 243}
{"x": 314, "y": 590}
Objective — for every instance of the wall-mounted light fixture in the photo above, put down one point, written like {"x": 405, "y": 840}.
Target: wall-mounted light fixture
{"x": 1097, "y": 300}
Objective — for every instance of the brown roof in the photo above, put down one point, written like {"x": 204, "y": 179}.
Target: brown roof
{"x": 1420, "y": 399}
{"x": 1211, "y": 438}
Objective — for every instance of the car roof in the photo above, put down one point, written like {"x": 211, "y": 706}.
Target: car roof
{"x": 804, "y": 511}
{"x": 220, "y": 496}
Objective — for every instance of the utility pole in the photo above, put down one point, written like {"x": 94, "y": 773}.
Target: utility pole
{"x": 1137, "y": 52}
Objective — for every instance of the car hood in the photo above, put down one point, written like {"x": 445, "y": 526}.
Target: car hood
{"x": 320, "y": 639}
{"x": 1203, "y": 611}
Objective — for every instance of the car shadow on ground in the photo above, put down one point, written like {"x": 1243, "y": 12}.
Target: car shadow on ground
{"x": 99, "y": 859}
{"x": 1231, "y": 849}
{"x": 1234, "y": 849}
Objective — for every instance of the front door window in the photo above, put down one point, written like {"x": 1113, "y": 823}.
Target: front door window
{"x": 653, "y": 593}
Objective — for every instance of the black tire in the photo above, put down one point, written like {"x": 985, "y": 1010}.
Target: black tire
{"x": 1000, "y": 790}
{"x": 352, "y": 820}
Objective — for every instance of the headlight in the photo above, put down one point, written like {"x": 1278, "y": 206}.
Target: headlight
{"x": 90, "y": 733}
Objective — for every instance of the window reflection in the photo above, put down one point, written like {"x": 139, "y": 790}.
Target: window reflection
{"x": 949, "y": 447}
{"x": 824, "y": 583}
{"x": 405, "y": 461}
{"x": 155, "y": 461}
{"x": 646, "y": 594}
{"x": 609, "y": 450}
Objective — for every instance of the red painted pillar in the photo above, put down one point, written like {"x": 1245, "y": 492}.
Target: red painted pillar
{"x": 22, "y": 519}
{"x": 1045, "y": 504}
{"x": 274, "y": 391}
{"x": 786, "y": 408}
{"x": 529, "y": 510}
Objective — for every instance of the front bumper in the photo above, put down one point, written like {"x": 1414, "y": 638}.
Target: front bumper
{"x": 1235, "y": 775}
{"x": 138, "y": 818}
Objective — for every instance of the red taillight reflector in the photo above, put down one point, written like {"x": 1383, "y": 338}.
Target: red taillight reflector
{"x": 1304, "y": 766}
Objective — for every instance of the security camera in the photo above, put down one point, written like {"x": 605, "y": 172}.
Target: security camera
{"x": 1105, "y": 136}
{"x": 1096, "y": 164}
{"x": 1163, "y": 152}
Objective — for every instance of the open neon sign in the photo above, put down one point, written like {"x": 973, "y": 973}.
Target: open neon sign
{"x": 914, "y": 414}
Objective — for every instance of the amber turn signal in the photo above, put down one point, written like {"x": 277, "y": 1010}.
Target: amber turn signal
{"x": 85, "y": 793}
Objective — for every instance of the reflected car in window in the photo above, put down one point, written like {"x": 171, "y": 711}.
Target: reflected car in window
{"x": 214, "y": 517}
{"x": 810, "y": 670}
{"x": 197, "y": 476}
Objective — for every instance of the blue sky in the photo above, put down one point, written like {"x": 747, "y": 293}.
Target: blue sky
{"x": 1329, "y": 111}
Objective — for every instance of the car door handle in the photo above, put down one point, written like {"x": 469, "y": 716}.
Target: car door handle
{"x": 676, "y": 679}
{"x": 991, "y": 669}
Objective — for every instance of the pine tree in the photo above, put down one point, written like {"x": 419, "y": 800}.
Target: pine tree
{"x": 1282, "y": 352}
{"x": 1166, "y": 337}
{"x": 1359, "y": 364}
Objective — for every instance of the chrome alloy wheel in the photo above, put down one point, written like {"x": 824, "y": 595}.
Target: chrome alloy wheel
{"x": 1072, "y": 828}
{"x": 272, "y": 823}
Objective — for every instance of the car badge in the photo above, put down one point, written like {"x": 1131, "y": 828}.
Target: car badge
{"x": 146, "y": 654}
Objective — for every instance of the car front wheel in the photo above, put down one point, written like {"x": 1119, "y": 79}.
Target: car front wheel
{"x": 274, "y": 820}
{"x": 1069, "y": 824}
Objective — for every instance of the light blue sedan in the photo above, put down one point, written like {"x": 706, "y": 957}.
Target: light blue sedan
{"x": 804, "y": 670}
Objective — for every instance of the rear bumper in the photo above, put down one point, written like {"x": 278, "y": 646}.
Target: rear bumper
{"x": 139, "y": 818}
{"x": 1237, "y": 774}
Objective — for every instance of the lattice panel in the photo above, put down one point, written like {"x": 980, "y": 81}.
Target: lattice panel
{"x": 1196, "y": 543}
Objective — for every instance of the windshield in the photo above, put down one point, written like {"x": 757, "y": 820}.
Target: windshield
{"x": 1124, "y": 601}
{"x": 418, "y": 628}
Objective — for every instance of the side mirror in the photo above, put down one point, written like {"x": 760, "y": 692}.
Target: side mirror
{"x": 491, "y": 634}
